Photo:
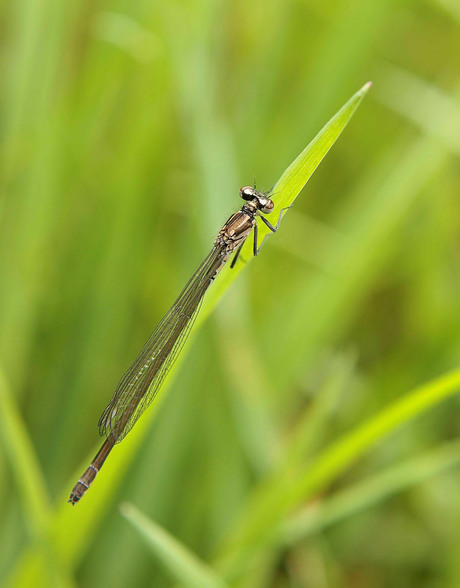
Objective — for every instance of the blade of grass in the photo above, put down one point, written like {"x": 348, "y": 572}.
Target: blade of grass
{"x": 371, "y": 492}
{"x": 21, "y": 455}
{"x": 274, "y": 499}
{"x": 183, "y": 565}
{"x": 299, "y": 172}
{"x": 31, "y": 485}
{"x": 291, "y": 182}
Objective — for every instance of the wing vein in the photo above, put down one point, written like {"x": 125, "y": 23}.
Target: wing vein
{"x": 139, "y": 385}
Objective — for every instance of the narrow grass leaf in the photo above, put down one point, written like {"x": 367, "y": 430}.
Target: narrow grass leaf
{"x": 291, "y": 182}
{"x": 301, "y": 169}
{"x": 24, "y": 463}
{"x": 183, "y": 565}
{"x": 371, "y": 492}
{"x": 279, "y": 496}
{"x": 32, "y": 489}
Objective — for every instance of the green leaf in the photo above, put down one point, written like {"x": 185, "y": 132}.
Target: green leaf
{"x": 300, "y": 171}
{"x": 281, "y": 494}
{"x": 371, "y": 491}
{"x": 183, "y": 565}
{"x": 32, "y": 488}
{"x": 288, "y": 187}
{"x": 24, "y": 463}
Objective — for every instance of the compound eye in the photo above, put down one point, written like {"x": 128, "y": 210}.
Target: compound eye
{"x": 247, "y": 193}
{"x": 268, "y": 206}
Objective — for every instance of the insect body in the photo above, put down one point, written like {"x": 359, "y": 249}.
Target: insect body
{"x": 139, "y": 385}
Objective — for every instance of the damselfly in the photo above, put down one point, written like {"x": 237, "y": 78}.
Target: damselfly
{"x": 138, "y": 387}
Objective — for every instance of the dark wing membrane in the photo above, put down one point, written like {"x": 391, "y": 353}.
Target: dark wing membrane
{"x": 139, "y": 385}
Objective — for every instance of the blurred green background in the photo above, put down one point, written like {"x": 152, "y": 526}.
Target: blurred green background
{"x": 126, "y": 130}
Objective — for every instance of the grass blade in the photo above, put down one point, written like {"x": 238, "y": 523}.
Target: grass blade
{"x": 275, "y": 499}
{"x": 32, "y": 488}
{"x": 301, "y": 169}
{"x": 291, "y": 182}
{"x": 21, "y": 455}
{"x": 183, "y": 565}
{"x": 372, "y": 491}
